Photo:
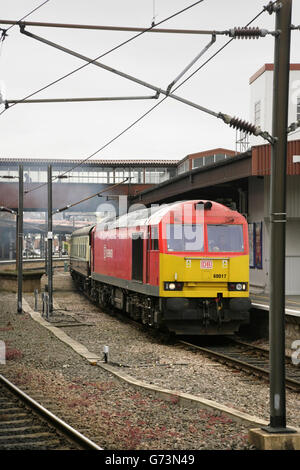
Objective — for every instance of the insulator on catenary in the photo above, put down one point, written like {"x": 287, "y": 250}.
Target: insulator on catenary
{"x": 247, "y": 33}
{"x": 243, "y": 126}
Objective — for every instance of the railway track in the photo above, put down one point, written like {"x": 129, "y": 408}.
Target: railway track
{"x": 232, "y": 352}
{"x": 26, "y": 425}
{"x": 247, "y": 357}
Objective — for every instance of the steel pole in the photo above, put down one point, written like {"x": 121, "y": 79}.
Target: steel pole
{"x": 111, "y": 28}
{"x": 17, "y": 240}
{"x": 278, "y": 219}
{"x": 49, "y": 240}
{"x": 20, "y": 239}
{"x": 75, "y": 100}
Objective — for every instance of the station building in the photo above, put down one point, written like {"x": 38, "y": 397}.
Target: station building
{"x": 261, "y": 94}
{"x": 261, "y": 99}
{"x": 111, "y": 178}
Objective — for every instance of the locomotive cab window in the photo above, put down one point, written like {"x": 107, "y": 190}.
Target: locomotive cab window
{"x": 186, "y": 237}
{"x": 153, "y": 238}
{"x": 225, "y": 238}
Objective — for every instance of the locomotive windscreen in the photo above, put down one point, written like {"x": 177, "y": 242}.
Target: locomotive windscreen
{"x": 226, "y": 238}
{"x": 186, "y": 237}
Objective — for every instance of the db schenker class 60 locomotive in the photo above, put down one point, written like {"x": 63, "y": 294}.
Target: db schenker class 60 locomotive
{"x": 183, "y": 267}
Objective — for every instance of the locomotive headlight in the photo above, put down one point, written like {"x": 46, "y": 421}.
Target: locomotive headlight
{"x": 239, "y": 286}
{"x": 173, "y": 286}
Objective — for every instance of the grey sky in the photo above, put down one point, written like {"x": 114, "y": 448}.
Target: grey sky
{"x": 173, "y": 130}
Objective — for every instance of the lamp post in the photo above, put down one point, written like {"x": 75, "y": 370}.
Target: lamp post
{"x": 49, "y": 241}
{"x": 19, "y": 235}
{"x": 20, "y": 240}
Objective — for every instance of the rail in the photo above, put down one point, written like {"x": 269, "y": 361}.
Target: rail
{"x": 60, "y": 425}
{"x": 249, "y": 358}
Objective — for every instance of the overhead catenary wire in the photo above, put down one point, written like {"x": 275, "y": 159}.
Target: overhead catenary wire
{"x": 235, "y": 32}
{"x": 232, "y": 121}
{"x": 81, "y": 162}
{"x": 26, "y": 16}
{"x": 7, "y": 209}
{"x": 13, "y": 23}
{"x": 3, "y": 35}
{"x": 119, "y": 72}
{"x": 104, "y": 54}
{"x": 140, "y": 118}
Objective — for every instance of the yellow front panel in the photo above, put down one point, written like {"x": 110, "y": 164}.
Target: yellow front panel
{"x": 203, "y": 276}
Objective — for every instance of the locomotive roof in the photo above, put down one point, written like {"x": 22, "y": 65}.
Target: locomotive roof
{"x": 149, "y": 216}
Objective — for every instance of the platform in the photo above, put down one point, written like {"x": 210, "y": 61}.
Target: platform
{"x": 31, "y": 280}
{"x": 292, "y": 303}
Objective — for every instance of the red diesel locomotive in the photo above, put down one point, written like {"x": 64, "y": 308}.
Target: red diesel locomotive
{"x": 183, "y": 266}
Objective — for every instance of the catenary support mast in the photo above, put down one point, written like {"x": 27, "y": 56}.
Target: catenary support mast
{"x": 278, "y": 218}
